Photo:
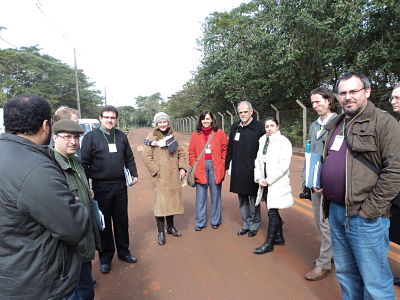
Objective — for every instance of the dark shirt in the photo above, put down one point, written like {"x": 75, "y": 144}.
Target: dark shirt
{"x": 101, "y": 164}
{"x": 333, "y": 177}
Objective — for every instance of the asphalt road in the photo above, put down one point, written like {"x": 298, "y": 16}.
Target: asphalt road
{"x": 217, "y": 264}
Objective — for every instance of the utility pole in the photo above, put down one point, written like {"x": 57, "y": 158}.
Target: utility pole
{"x": 78, "y": 100}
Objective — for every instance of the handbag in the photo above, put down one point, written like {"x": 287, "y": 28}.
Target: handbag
{"x": 192, "y": 169}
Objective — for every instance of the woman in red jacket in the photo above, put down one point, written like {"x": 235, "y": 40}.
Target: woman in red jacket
{"x": 210, "y": 171}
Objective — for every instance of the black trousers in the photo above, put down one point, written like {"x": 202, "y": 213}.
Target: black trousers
{"x": 113, "y": 202}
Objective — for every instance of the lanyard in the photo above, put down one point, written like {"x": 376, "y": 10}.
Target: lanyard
{"x": 266, "y": 146}
{"x": 73, "y": 167}
{"x": 106, "y": 138}
{"x": 346, "y": 125}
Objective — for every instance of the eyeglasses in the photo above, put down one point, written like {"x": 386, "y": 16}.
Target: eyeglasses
{"x": 351, "y": 93}
{"x": 68, "y": 138}
{"x": 111, "y": 118}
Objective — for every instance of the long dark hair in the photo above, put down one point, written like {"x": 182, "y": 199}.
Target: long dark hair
{"x": 202, "y": 117}
{"x": 273, "y": 119}
{"x": 327, "y": 94}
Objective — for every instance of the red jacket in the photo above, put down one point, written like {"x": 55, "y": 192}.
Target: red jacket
{"x": 218, "y": 144}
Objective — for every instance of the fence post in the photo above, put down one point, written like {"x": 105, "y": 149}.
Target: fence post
{"x": 194, "y": 124}
{"x": 223, "y": 121}
{"x": 190, "y": 125}
{"x": 231, "y": 116}
{"x": 304, "y": 122}
{"x": 276, "y": 112}
{"x": 258, "y": 115}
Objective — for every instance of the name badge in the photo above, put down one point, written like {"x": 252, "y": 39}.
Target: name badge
{"x": 337, "y": 143}
{"x": 208, "y": 151}
{"x": 237, "y": 136}
{"x": 112, "y": 147}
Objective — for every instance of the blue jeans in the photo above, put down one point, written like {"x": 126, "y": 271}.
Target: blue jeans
{"x": 360, "y": 252}
{"x": 200, "y": 210}
{"x": 85, "y": 289}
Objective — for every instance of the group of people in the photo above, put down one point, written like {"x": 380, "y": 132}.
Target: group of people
{"x": 52, "y": 201}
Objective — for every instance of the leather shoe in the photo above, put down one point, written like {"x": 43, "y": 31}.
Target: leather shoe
{"x": 215, "y": 226}
{"x": 242, "y": 231}
{"x": 252, "y": 233}
{"x": 129, "y": 259}
{"x": 172, "y": 230}
{"x": 105, "y": 268}
{"x": 396, "y": 281}
{"x": 198, "y": 228}
{"x": 161, "y": 238}
{"x": 317, "y": 274}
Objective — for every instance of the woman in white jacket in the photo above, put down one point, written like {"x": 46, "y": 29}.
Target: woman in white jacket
{"x": 271, "y": 172}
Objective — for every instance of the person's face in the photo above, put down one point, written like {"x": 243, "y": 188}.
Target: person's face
{"x": 74, "y": 118}
{"x": 244, "y": 113}
{"x": 395, "y": 99}
{"x": 207, "y": 121}
{"x": 162, "y": 125}
{"x": 320, "y": 105}
{"x": 66, "y": 143}
{"x": 352, "y": 95}
{"x": 270, "y": 127}
{"x": 108, "y": 120}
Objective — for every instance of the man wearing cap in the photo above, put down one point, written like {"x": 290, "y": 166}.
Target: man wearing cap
{"x": 105, "y": 151}
{"x": 66, "y": 142}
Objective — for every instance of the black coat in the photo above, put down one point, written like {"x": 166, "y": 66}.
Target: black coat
{"x": 243, "y": 153}
{"x": 394, "y": 230}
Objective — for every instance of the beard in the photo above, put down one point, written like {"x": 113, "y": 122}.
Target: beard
{"x": 48, "y": 138}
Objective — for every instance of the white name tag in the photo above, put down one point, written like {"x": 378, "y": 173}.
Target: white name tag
{"x": 208, "y": 151}
{"x": 337, "y": 143}
{"x": 237, "y": 136}
{"x": 112, "y": 147}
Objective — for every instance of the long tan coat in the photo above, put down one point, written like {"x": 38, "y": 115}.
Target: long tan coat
{"x": 164, "y": 169}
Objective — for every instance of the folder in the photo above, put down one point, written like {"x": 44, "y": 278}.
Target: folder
{"x": 99, "y": 215}
{"x": 128, "y": 177}
{"x": 313, "y": 170}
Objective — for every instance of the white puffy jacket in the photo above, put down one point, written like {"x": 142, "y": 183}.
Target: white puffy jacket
{"x": 277, "y": 162}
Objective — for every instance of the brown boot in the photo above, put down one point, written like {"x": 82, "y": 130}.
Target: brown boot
{"x": 317, "y": 274}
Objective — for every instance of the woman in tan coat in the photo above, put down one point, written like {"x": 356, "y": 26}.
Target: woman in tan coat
{"x": 166, "y": 162}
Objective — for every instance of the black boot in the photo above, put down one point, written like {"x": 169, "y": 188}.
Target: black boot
{"x": 161, "y": 238}
{"x": 170, "y": 227}
{"x": 279, "y": 240}
{"x": 273, "y": 224}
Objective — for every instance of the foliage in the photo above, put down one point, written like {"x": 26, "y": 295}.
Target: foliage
{"x": 27, "y": 71}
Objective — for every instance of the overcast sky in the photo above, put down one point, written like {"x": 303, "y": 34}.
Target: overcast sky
{"x": 130, "y": 47}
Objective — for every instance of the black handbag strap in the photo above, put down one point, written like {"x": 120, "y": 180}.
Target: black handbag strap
{"x": 205, "y": 146}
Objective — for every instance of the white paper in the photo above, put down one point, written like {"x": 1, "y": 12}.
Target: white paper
{"x": 337, "y": 143}
{"x": 112, "y": 147}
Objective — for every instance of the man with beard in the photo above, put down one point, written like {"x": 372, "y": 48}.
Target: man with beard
{"x": 241, "y": 154}
{"x": 41, "y": 222}
{"x": 359, "y": 199}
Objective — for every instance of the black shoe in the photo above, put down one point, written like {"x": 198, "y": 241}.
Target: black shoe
{"x": 252, "y": 233}
{"x": 172, "y": 230}
{"x": 105, "y": 268}
{"x": 242, "y": 231}
{"x": 129, "y": 259}
{"x": 161, "y": 238}
{"x": 264, "y": 248}
{"x": 215, "y": 226}
{"x": 198, "y": 228}
{"x": 396, "y": 281}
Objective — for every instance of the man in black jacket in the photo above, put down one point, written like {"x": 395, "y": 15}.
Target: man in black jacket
{"x": 105, "y": 152}
{"x": 41, "y": 222}
{"x": 242, "y": 152}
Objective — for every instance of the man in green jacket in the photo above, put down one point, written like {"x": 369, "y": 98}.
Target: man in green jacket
{"x": 66, "y": 142}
